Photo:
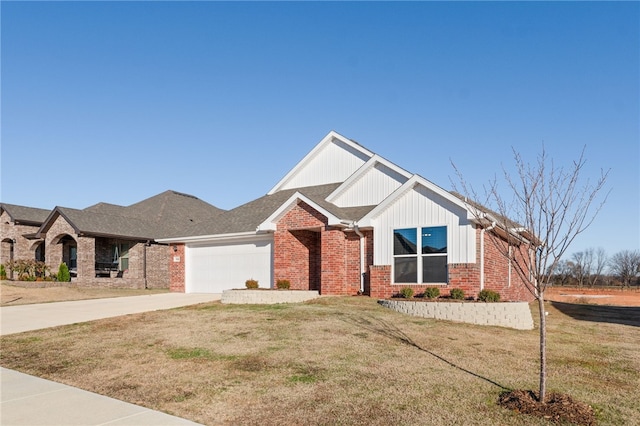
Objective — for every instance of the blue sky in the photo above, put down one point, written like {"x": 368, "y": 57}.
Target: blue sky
{"x": 119, "y": 101}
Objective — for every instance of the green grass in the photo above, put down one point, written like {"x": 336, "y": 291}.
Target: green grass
{"x": 335, "y": 360}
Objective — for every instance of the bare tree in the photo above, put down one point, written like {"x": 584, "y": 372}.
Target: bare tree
{"x": 582, "y": 261}
{"x": 563, "y": 272}
{"x": 599, "y": 263}
{"x": 589, "y": 265}
{"x": 549, "y": 207}
{"x": 626, "y": 265}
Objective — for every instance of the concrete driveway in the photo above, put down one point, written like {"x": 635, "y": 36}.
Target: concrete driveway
{"x": 16, "y": 319}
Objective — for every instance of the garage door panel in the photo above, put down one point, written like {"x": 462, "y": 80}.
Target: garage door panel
{"x": 216, "y": 267}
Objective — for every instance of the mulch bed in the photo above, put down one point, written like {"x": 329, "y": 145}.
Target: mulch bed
{"x": 558, "y": 408}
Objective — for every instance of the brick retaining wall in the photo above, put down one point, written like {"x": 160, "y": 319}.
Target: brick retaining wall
{"x": 507, "y": 314}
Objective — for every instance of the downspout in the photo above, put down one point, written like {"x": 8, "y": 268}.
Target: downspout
{"x": 362, "y": 260}
{"x": 482, "y": 232}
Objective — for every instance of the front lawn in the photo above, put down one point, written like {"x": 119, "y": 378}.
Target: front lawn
{"x": 12, "y": 294}
{"x": 334, "y": 360}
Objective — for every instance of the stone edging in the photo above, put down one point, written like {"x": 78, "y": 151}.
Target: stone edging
{"x": 267, "y": 297}
{"x": 506, "y": 314}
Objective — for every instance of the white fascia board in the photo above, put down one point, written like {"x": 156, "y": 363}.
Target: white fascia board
{"x": 362, "y": 171}
{"x": 270, "y": 223}
{"x": 210, "y": 238}
{"x": 307, "y": 158}
{"x": 395, "y": 195}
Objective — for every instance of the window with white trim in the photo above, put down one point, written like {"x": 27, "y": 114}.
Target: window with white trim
{"x": 420, "y": 255}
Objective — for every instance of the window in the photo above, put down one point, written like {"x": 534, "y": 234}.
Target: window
{"x": 73, "y": 257}
{"x": 121, "y": 256}
{"x": 427, "y": 266}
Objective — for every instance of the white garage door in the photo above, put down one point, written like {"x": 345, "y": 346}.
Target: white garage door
{"x": 212, "y": 268}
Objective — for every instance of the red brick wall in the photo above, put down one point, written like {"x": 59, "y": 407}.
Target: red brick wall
{"x": 463, "y": 276}
{"x": 496, "y": 271}
{"x": 296, "y": 247}
{"x": 315, "y": 256}
{"x": 297, "y": 258}
{"x": 380, "y": 281}
{"x": 176, "y": 268}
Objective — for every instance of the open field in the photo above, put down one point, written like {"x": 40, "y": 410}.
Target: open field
{"x": 12, "y": 295}
{"x": 338, "y": 361}
{"x": 595, "y": 295}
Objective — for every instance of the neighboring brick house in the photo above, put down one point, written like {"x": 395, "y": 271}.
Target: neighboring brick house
{"x": 18, "y": 228}
{"x": 345, "y": 221}
{"x": 105, "y": 245}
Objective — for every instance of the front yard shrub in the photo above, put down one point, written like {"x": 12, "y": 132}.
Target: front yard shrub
{"x": 27, "y": 270}
{"x": 406, "y": 292}
{"x": 431, "y": 292}
{"x": 457, "y": 293}
{"x": 3, "y": 272}
{"x": 251, "y": 283}
{"x": 283, "y": 285}
{"x": 63, "y": 273}
{"x": 488, "y": 296}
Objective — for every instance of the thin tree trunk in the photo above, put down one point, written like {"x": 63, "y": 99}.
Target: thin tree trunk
{"x": 543, "y": 348}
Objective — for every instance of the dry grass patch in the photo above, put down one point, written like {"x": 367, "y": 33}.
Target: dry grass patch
{"x": 331, "y": 361}
{"x": 11, "y": 295}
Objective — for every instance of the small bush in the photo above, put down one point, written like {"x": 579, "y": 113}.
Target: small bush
{"x": 488, "y": 296}
{"x": 3, "y": 272}
{"x": 63, "y": 273}
{"x": 283, "y": 285}
{"x": 457, "y": 294}
{"x": 251, "y": 283}
{"x": 431, "y": 292}
{"x": 406, "y": 292}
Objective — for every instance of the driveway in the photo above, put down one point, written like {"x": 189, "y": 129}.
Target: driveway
{"x": 16, "y": 319}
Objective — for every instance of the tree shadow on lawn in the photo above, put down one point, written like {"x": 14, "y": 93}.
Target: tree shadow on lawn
{"x": 625, "y": 315}
{"x": 376, "y": 325}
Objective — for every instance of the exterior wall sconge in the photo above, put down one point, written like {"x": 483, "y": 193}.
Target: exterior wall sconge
{"x": 175, "y": 248}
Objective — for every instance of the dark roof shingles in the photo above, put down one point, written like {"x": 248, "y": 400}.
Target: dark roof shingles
{"x": 26, "y": 214}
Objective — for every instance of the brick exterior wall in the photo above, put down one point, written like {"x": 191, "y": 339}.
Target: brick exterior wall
{"x": 497, "y": 272}
{"x": 315, "y": 256}
{"x": 380, "y": 281}
{"x": 22, "y": 248}
{"x": 297, "y": 248}
{"x": 464, "y": 276}
{"x": 176, "y": 268}
{"x": 91, "y": 250}
{"x": 158, "y": 275}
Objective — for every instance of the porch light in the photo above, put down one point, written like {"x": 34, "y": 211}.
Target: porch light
{"x": 175, "y": 248}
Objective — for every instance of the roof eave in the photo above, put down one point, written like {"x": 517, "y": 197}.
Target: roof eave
{"x": 209, "y": 238}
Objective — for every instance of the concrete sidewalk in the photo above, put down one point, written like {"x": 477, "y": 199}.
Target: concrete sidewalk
{"x": 28, "y": 401}
{"x": 31, "y": 401}
{"x": 16, "y": 319}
